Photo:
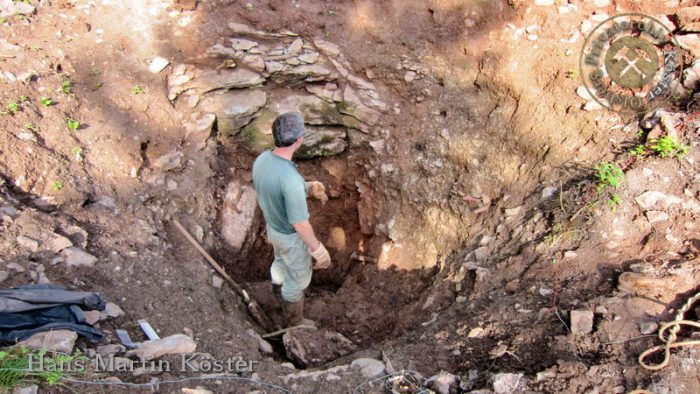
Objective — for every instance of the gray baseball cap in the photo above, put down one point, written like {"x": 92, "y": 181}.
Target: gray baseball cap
{"x": 287, "y": 128}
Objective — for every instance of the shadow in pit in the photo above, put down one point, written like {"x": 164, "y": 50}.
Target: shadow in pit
{"x": 371, "y": 305}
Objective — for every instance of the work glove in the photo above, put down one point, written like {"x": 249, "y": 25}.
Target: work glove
{"x": 317, "y": 190}
{"x": 323, "y": 259}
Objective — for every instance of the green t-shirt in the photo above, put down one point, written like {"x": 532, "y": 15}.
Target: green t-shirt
{"x": 281, "y": 192}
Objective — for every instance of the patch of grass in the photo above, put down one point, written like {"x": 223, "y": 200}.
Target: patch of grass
{"x": 668, "y": 146}
{"x": 57, "y": 185}
{"x": 554, "y": 234}
{"x": 614, "y": 201}
{"x": 13, "y": 107}
{"x": 73, "y": 124}
{"x": 67, "y": 86}
{"x": 639, "y": 150}
{"x": 46, "y": 101}
{"x": 609, "y": 175}
{"x": 19, "y": 366}
{"x": 560, "y": 232}
{"x": 137, "y": 89}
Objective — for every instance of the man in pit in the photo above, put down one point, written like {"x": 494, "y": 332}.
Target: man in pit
{"x": 281, "y": 194}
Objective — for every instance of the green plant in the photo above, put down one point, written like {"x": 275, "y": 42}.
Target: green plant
{"x": 46, "y": 102}
{"x": 641, "y": 133}
{"x": 78, "y": 152}
{"x": 23, "y": 99}
{"x": 250, "y": 7}
{"x": 331, "y": 12}
{"x": 73, "y": 124}
{"x": 21, "y": 365}
{"x": 57, "y": 185}
{"x": 668, "y": 146}
{"x": 31, "y": 127}
{"x": 13, "y": 107}
{"x": 614, "y": 201}
{"x": 137, "y": 90}
{"x": 67, "y": 86}
{"x": 609, "y": 175}
{"x": 572, "y": 74}
{"x": 638, "y": 150}
{"x": 3, "y": 21}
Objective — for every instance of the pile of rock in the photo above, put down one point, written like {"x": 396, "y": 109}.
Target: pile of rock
{"x": 261, "y": 75}
{"x": 63, "y": 246}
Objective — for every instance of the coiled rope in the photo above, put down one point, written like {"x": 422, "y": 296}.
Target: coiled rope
{"x": 670, "y": 340}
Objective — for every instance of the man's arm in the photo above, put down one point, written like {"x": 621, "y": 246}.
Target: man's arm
{"x": 298, "y": 216}
{"x": 306, "y": 232}
{"x": 316, "y": 248}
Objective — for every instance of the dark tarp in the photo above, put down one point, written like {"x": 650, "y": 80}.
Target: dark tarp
{"x": 29, "y": 309}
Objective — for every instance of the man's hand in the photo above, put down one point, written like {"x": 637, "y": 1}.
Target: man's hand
{"x": 323, "y": 259}
{"x": 315, "y": 247}
{"x": 317, "y": 190}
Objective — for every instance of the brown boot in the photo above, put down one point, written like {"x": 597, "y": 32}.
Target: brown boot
{"x": 294, "y": 314}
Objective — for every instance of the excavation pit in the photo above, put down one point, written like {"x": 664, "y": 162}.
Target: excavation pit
{"x": 355, "y": 297}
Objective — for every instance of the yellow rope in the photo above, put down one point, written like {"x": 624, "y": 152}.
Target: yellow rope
{"x": 670, "y": 341}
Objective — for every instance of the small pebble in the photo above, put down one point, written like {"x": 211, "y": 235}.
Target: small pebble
{"x": 647, "y": 328}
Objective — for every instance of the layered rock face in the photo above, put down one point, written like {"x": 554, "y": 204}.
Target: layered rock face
{"x": 261, "y": 75}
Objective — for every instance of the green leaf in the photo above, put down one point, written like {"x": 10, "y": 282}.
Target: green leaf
{"x": 73, "y": 124}
{"x": 67, "y": 87}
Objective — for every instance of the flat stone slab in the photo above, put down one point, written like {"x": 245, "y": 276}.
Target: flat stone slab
{"x": 54, "y": 340}
{"x": 311, "y": 347}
